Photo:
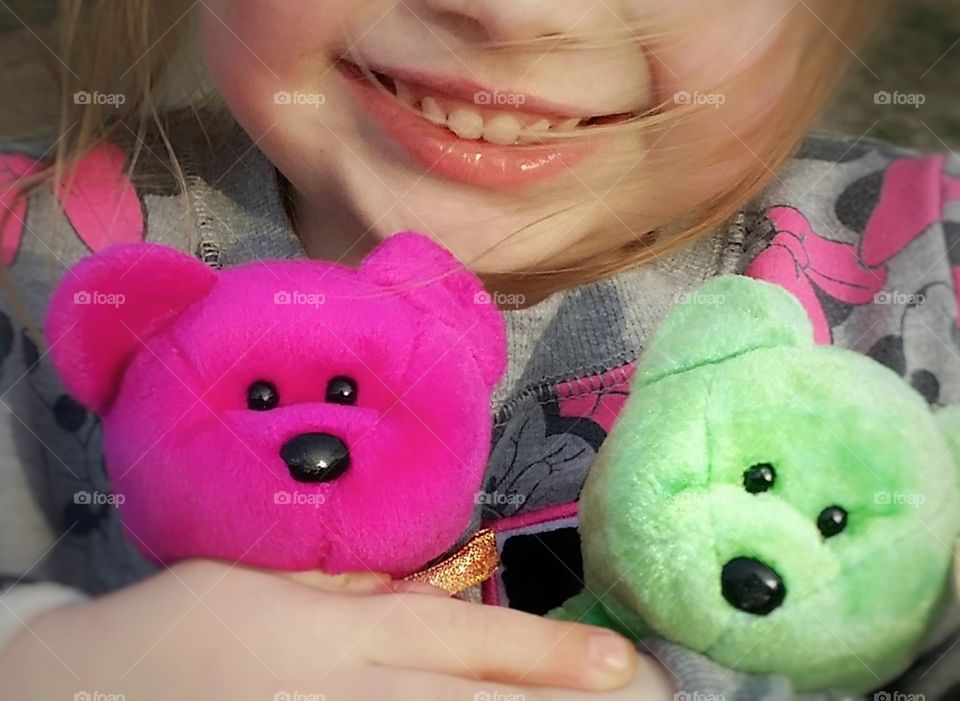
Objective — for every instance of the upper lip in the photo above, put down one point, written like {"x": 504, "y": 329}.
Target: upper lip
{"x": 468, "y": 90}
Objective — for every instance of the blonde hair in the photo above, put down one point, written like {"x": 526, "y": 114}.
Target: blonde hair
{"x": 141, "y": 49}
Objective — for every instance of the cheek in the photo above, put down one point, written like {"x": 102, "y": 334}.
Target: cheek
{"x": 255, "y": 48}
{"x": 713, "y": 46}
{"x": 705, "y": 62}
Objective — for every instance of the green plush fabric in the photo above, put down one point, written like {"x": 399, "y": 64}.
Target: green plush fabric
{"x": 586, "y": 608}
{"x": 731, "y": 380}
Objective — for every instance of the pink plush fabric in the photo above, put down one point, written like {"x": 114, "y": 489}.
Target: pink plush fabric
{"x": 165, "y": 350}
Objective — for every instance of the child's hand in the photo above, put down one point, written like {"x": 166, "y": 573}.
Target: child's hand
{"x": 204, "y": 630}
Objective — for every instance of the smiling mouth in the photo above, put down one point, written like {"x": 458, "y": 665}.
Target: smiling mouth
{"x": 476, "y": 114}
{"x": 459, "y": 130}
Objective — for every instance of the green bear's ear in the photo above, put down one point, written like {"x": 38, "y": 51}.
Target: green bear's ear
{"x": 726, "y": 317}
{"x": 949, "y": 420}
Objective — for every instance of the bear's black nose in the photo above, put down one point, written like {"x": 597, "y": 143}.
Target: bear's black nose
{"x": 751, "y": 586}
{"x": 315, "y": 457}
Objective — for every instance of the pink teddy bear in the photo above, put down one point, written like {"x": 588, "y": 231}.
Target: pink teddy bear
{"x": 288, "y": 414}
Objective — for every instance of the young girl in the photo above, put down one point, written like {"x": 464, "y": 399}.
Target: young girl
{"x": 594, "y": 161}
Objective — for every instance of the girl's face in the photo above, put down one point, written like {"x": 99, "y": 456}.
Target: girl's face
{"x": 458, "y": 150}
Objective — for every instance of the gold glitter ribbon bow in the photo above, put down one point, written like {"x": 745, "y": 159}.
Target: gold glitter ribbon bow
{"x": 472, "y": 564}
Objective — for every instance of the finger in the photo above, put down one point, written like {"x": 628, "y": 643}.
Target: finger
{"x": 651, "y": 682}
{"x": 402, "y": 684}
{"x": 500, "y": 644}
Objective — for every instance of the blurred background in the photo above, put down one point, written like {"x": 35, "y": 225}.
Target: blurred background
{"x": 918, "y": 55}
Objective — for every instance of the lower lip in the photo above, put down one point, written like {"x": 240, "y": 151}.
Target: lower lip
{"x": 475, "y": 162}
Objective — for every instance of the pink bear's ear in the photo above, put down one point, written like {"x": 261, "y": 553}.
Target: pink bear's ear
{"x": 110, "y": 303}
{"x": 439, "y": 284}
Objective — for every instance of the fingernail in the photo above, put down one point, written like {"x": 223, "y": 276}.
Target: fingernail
{"x": 610, "y": 654}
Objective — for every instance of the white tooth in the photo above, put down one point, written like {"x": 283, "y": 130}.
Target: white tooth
{"x": 404, "y": 93}
{"x": 535, "y": 131}
{"x": 466, "y": 124}
{"x": 566, "y": 125}
{"x": 502, "y": 129}
{"x": 433, "y": 111}
{"x": 540, "y": 127}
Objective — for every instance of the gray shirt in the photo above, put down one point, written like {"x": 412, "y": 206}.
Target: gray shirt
{"x": 859, "y": 231}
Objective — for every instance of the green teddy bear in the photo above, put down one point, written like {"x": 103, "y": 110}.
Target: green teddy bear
{"x": 778, "y": 506}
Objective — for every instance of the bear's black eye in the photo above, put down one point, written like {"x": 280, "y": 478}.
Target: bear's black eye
{"x": 262, "y": 396}
{"x": 832, "y": 520}
{"x": 342, "y": 390}
{"x": 759, "y": 478}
